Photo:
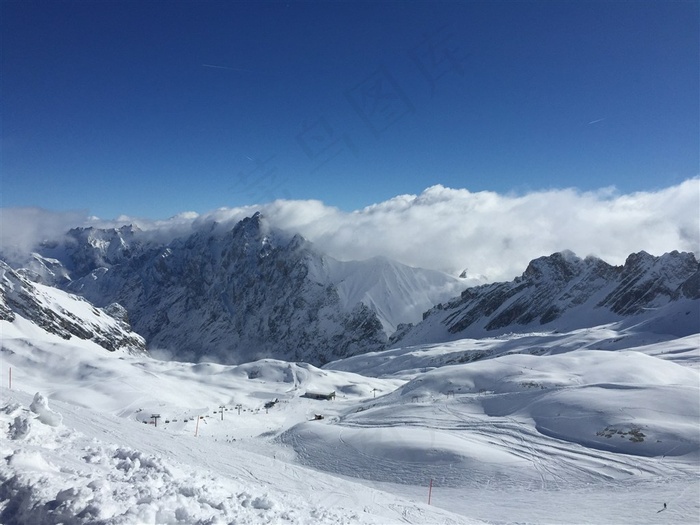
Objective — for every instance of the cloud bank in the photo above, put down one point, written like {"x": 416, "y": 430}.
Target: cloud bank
{"x": 451, "y": 230}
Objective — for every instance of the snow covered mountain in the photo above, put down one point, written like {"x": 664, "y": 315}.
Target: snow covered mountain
{"x": 239, "y": 294}
{"x": 396, "y": 293}
{"x": 564, "y": 292}
{"x": 38, "y": 311}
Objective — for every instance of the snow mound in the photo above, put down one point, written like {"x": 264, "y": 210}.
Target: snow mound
{"x": 40, "y": 406}
{"x": 19, "y": 428}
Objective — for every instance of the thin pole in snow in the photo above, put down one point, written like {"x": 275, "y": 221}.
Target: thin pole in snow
{"x": 10, "y": 378}
{"x": 196, "y": 427}
{"x": 430, "y": 490}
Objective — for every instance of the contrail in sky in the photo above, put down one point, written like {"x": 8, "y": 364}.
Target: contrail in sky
{"x": 226, "y": 67}
{"x": 599, "y": 120}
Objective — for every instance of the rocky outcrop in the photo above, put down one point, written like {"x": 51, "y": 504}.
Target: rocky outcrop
{"x": 63, "y": 314}
{"x": 229, "y": 295}
{"x": 562, "y": 290}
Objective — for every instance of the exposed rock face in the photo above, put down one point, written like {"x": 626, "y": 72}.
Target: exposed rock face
{"x": 562, "y": 288}
{"x": 234, "y": 294}
{"x": 230, "y": 296}
{"x": 63, "y": 314}
{"x": 646, "y": 281}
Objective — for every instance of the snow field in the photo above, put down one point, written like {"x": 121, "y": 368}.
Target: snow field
{"x": 63, "y": 475}
{"x": 563, "y": 428}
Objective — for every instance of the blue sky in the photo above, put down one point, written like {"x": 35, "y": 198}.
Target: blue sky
{"x": 150, "y": 109}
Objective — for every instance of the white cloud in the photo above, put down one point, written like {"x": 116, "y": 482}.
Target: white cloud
{"x": 21, "y": 229}
{"x": 452, "y": 229}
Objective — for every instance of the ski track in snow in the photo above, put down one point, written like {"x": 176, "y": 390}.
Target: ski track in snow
{"x": 518, "y": 438}
{"x": 546, "y": 462}
{"x": 80, "y": 475}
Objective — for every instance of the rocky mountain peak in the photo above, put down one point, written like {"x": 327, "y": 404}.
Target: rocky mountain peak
{"x": 560, "y": 266}
{"x": 89, "y": 248}
{"x": 231, "y": 295}
{"x": 647, "y": 281}
{"x": 562, "y": 288}
{"x": 254, "y": 227}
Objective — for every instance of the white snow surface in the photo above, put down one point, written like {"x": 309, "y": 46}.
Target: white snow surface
{"x": 396, "y": 292}
{"x": 589, "y": 426}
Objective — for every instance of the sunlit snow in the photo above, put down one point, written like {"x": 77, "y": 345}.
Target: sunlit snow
{"x": 591, "y": 426}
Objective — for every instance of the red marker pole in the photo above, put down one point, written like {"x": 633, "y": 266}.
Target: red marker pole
{"x": 430, "y": 490}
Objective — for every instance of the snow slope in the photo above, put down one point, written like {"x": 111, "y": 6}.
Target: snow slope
{"x": 44, "y": 310}
{"x": 395, "y": 292}
{"x": 89, "y": 455}
{"x": 100, "y": 469}
{"x": 590, "y": 426}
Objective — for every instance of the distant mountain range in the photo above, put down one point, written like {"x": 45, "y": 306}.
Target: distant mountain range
{"x": 564, "y": 292}
{"x": 236, "y": 294}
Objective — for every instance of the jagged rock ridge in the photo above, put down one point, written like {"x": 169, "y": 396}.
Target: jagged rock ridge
{"x": 65, "y": 315}
{"x": 228, "y": 296}
{"x": 242, "y": 293}
{"x": 562, "y": 291}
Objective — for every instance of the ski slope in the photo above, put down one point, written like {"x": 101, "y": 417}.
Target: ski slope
{"x": 96, "y": 468}
{"x": 590, "y": 426}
